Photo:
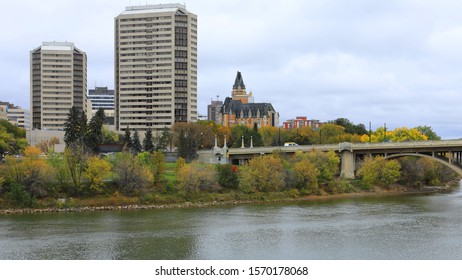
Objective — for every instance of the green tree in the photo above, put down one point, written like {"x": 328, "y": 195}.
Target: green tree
{"x": 59, "y": 169}
{"x": 12, "y": 139}
{"x": 147, "y": 142}
{"x": 379, "y": 171}
{"x": 136, "y": 145}
{"x": 187, "y": 147}
{"x": 350, "y": 127}
{"x": 165, "y": 140}
{"x": 327, "y": 164}
{"x": 75, "y": 127}
{"x": 428, "y": 131}
{"x": 155, "y": 163}
{"x": 110, "y": 137}
{"x": 95, "y": 132}
{"x": 127, "y": 140}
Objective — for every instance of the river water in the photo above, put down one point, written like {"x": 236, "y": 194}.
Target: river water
{"x": 382, "y": 227}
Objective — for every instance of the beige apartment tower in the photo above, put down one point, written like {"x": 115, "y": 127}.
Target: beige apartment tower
{"x": 58, "y": 82}
{"x": 155, "y": 67}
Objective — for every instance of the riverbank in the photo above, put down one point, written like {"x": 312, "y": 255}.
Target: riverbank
{"x": 376, "y": 192}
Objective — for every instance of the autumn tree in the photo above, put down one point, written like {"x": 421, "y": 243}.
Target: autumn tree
{"x": 76, "y": 157}
{"x": 31, "y": 172}
{"x": 132, "y": 177}
{"x": 47, "y": 145}
{"x": 12, "y": 139}
{"x": 307, "y": 176}
{"x": 155, "y": 164}
{"x": 96, "y": 171}
{"x": 197, "y": 177}
{"x": 262, "y": 174}
{"x": 327, "y": 164}
{"x": 399, "y": 134}
{"x": 379, "y": 171}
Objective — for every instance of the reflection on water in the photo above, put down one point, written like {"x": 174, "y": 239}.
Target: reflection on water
{"x": 391, "y": 227}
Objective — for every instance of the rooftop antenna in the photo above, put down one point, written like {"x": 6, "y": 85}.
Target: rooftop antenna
{"x": 217, "y": 97}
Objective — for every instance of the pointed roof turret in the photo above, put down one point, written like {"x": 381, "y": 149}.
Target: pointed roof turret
{"x": 239, "y": 82}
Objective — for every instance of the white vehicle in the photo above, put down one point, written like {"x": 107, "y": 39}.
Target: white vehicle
{"x": 290, "y": 144}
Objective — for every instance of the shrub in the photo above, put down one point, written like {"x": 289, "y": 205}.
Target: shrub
{"x": 228, "y": 176}
{"x": 196, "y": 177}
{"x": 19, "y": 197}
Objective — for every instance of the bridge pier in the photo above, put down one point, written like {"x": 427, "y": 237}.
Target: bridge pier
{"x": 348, "y": 165}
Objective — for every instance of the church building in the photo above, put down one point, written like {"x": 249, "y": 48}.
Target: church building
{"x": 241, "y": 109}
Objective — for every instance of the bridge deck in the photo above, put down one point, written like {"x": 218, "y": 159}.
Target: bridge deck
{"x": 401, "y": 147}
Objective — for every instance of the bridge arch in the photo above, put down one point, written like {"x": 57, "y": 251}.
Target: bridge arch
{"x": 457, "y": 169}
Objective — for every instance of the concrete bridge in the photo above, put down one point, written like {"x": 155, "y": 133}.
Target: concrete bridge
{"x": 447, "y": 152}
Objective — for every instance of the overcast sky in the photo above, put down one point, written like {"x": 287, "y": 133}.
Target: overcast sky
{"x": 395, "y": 62}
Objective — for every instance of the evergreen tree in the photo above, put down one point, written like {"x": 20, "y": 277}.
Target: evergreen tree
{"x": 83, "y": 129}
{"x": 72, "y": 126}
{"x": 147, "y": 142}
{"x": 127, "y": 141}
{"x": 95, "y": 132}
{"x": 165, "y": 139}
{"x": 136, "y": 145}
{"x": 182, "y": 146}
{"x": 187, "y": 147}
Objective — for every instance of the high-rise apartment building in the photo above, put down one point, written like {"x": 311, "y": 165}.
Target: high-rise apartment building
{"x": 155, "y": 67}
{"x": 58, "y": 82}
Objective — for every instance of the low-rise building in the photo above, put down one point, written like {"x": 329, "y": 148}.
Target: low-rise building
{"x": 300, "y": 122}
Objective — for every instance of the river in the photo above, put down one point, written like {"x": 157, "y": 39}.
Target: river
{"x": 381, "y": 227}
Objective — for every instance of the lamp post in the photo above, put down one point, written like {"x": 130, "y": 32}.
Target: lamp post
{"x": 201, "y": 145}
{"x": 242, "y": 146}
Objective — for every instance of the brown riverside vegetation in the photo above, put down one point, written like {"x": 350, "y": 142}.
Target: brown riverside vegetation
{"x": 394, "y": 189}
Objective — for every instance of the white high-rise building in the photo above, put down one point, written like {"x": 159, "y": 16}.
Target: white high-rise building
{"x": 58, "y": 82}
{"x": 155, "y": 67}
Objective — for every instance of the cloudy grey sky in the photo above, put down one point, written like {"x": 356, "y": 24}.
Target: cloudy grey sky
{"x": 397, "y": 62}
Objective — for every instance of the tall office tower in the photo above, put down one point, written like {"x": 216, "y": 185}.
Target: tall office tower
{"x": 58, "y": 82}
{"x": 155, "y": 67}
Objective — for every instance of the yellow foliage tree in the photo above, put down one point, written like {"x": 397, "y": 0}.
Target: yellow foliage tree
{"x": 307, "y": 175}
{"x": 96, "y": 171}
{"x": 399, "y": 134}
{"x": 262, "y": 174}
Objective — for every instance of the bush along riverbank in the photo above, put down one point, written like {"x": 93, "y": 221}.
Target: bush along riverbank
{"x": 75, "y": 181}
